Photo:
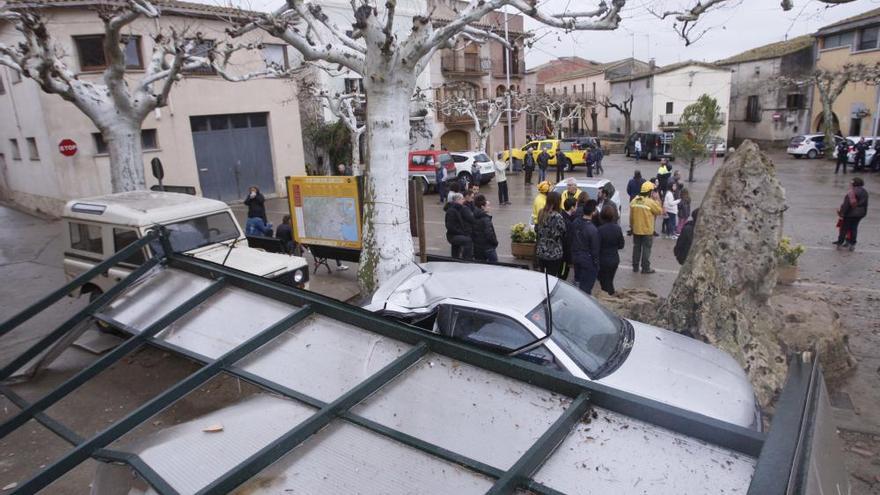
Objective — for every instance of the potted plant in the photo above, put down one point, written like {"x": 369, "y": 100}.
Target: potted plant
{"x": 788, "y": 254}
{"x": 522, "y": 242}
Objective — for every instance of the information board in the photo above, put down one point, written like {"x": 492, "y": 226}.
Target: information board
{"x": 325, "y": 210}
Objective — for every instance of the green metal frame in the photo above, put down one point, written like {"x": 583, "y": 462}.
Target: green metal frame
{"x": 773, "y": 455}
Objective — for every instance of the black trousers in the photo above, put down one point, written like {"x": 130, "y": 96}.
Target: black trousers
{"x": 529, "y": 171}
{"x": 502, "y": 192}
{"x": 552, "y": 267}
{"x": 840, "y": 161}
{"x": 560, "y": 171}
{"x": 851, "y": 226}
{"x": 607, "y": 270}
{"x": 462, "y": 247}
{"x": 860, "y": 161}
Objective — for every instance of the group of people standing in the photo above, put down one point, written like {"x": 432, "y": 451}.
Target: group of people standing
{"x": 860, "y": 150}
{"x": 469, "y": 228}
{"x": 574, "y": 230}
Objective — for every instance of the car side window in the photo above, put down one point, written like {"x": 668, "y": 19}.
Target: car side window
{"x": 418, "y": 159}
{"x": 86, "y": 237}
{"x": 459, "y": 158}
{"x": 818, "y": 139}
{"x": 124, "y": 237}
{"x": 546, "y": 145}
{"x": 485, "y": 329}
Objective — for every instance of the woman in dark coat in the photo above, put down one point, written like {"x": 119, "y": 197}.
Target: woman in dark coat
{"x": 610, "y": 242}
{"x": 551, "y": 230}
{"x": 256, "y": 204}
{"x": 485, "y": 241}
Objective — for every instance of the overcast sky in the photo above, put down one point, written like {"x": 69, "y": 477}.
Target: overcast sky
{"x": 743, "y": 25}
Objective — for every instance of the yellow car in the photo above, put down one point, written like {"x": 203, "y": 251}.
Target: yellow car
{"x": 575, "y": 156}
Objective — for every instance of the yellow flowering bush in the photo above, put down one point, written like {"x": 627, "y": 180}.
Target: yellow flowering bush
{"x": 521, "y": 232}
{"x": 788, "y": 252}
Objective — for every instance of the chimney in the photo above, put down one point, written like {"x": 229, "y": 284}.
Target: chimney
{"x": 651, "y": 65}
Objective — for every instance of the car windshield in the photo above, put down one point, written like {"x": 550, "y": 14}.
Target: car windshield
{"x": 588, "y": 333}
{"x": 592, "y": 192}
{"x": 481, "y": 157}
{"x": 201, "y": 231}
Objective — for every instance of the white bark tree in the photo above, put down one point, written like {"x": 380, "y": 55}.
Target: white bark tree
{"x": 624, "y": 106}
{"x": 485, "y": 113}
{"x": 556, "y": 109}
{"x": 389, "y": 62}
{"x": 116, "y": 106}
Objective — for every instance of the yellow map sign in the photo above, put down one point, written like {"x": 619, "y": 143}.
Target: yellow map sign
{"x": 325, "y": 210}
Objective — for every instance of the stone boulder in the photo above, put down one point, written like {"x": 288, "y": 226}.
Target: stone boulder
{"x": 723, "y": 290}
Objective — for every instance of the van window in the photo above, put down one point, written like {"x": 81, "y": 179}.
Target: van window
{"x": 86, "y": 237}
{"x": 445, "y": 160}
{"x": 418, "y": 159}
{"x": 124, "y": 237}
{"x": 547, "y": 145}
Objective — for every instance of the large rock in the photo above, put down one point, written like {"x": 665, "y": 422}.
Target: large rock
{"x": 722, "y": 292}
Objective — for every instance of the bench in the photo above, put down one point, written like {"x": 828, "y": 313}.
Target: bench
{"x": 268, "y": 244}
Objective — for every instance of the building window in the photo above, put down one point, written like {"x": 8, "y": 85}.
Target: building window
{"x": 554, "y": 90}
{"x": 33, "y": 152}
{"x": 855, "y": 127}
{"x": 499, "y": 91}
{"x": 794, "y": 101}
{"x": 606, "y": 113}
{"x": 16, "y": 153}
{"x": 838, "y": 40}
{"x": 201, "y": 48}
{"x": 648, "y": 82}
{"x": 868, "y": 38}
{"x": 485, "y": 93}
{"x": 149, "y": 141}
{"x": 275, "y": 56}
{"x": 91, "y": 52}
{"x": 85, "y": 237}
{"x": 354, "y": 85}
{"x": 669, "y": 107}
{"x": 565, "y": 90}
{"x": 582, "y": 88}
{"x": 753, "y": 113}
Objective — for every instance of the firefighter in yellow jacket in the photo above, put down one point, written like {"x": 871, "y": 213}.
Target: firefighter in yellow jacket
{"x": 571, "y": 191}
{"x": 642, "y": 211}
{"x": 540, "y": 200}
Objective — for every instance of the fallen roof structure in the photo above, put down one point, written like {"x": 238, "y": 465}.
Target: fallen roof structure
{"x": 353, "y": 402}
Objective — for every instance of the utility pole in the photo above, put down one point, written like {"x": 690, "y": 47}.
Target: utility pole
{"x": 507, "y": 92}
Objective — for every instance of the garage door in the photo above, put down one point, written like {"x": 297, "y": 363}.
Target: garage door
{"x": 232, "y": 154}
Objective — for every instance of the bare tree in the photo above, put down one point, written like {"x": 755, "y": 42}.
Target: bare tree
{"x": 116, "y": 107}
{"x": 343, "y": 107}
{"x": 555, "y": 109}
{"x": 389, "y": 59}
{"x": 485, "y": 113}
{"x": 625, "y": 109}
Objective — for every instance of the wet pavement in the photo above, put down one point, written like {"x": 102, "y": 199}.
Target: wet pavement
{"x": 30, "y": 266}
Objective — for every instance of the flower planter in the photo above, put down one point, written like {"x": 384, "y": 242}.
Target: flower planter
{"x": 523, "y": 250}
{"x": 786, "y": 274}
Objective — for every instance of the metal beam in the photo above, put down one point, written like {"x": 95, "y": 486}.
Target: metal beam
{"x": 650, "y": 411}
{"x": 267, "y": 455}
{"x": 158, "y": 403}
{"x": 50, "y": 299}
{"x": 109, "y": 359}
{"x": 44, "y": 419}
{"x": 538, "y": 453}
{"x": 76, "y": 319}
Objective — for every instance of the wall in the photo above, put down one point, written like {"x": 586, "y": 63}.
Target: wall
{"x": 777, "y": 123}
{"x": 642, "y": 105}
{"x": 54, "y": 179}
{"x": 684, "y": 86}
{"x": 853, "y": 96}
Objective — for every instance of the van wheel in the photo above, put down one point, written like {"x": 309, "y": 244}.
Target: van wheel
{"x": 94, "y": 294}
{"x": 650, "y": 156}
{"x": 812, "y": 154}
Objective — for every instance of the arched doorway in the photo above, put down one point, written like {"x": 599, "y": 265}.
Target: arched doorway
{"x": 819, "y": 124}
{"x": 455, "y": 140}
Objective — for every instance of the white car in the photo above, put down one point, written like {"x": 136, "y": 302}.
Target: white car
{"x": 464, "y": 162}
{"x": 506, "y": 310}
{"x": 808, "y": 145}
{"x": 717, "y": 145}
{"x": 94, "y": 229}
{"x": 591, "y": 186}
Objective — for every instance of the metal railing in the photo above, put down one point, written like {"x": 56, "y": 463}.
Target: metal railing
{"x": 464, "y": 64}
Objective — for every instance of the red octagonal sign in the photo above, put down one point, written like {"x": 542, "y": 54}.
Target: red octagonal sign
{"x": 67, "y": 147}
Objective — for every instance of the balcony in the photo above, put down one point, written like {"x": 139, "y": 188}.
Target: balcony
{"x": 517, "y": 69}
{"x": 670, "y": 121}
{"x": 459, "y": 119}
{"x": 464, "y": 65}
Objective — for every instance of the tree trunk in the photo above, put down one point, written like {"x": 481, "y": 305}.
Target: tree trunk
{"x": 721, "y": 294}
{"x": 691, "y": 171}
{"x": 828, "y": 123}
{"x": 126, "y": 156}
{"x": 481, "y": 143}
{"x": 355, "y": 148}
{"x": 387, "y": 243}
{"x": 627, "y": 124}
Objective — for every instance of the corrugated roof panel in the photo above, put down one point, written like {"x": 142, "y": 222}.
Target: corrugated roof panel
{"x": 344, "y": 458}
{"x": 468, "y": 410}
{"x": 322, "y": 357}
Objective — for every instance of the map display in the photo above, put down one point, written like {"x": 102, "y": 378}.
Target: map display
{"x": 325, "y": 211}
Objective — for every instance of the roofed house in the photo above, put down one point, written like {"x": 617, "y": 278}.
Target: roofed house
{"x": 762, "y": 109}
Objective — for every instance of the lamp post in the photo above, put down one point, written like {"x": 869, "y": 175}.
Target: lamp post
{"x": 511, "y": 163}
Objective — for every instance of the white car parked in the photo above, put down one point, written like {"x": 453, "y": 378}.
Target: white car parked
{"x": 509, "y": 310}
{"x": 464, "y": 162}
{"x": 591, "y": 187}
{"x": 716, "y": 145}
{"x": 808, "y": 145}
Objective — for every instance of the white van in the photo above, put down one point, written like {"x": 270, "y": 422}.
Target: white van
{"x": 96, "y": 228}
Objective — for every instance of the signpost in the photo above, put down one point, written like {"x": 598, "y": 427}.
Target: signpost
{"x": 67, "y": 147}
{"x": 325, "y": 211}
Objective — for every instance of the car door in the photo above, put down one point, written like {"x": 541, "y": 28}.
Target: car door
{"x": 492, "y": 331}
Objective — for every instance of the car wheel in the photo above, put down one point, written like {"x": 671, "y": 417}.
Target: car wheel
{"x": 94, "y": 294}
{"x": 465, "y": 177}
{"x": 626, "y": 151}
{"x": 650, "y": 156}
{"x": 570, "y": 166}
{"x": 812, "y": 154}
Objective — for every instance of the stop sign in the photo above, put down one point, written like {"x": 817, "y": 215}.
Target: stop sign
{"x": 67, "y": 147}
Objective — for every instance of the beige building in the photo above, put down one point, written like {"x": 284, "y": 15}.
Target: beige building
{"x": 479, "y": 72}
{"x": 850, "y": 41}
{"x": 215, "y": 136}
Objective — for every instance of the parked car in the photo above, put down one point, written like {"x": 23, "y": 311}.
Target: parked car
{"x": 507, "y": 310}
{"x": 422, "y": 166}
{"x": 591, "y": 187}
{"x": 573, "y": 155}
{"x": 582, "y": 142}
{"x": 851, "y": 149}
{"x": 717, "y": 145}
{"x": 94, "y": 229}
{"x": 808, "y": 145}
{"x": 464, "y": 161}
{"x": 655, "y": 145}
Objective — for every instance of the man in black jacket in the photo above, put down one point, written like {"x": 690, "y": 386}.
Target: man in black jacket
{"x": 458, "y": 230}
{"x": 485, "y": 241}
{"x": 585, "y": 248}
{"x": 686, "y": 238}
{"x": 853, "y": 210}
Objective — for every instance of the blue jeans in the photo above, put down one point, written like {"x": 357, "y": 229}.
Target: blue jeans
{"x": 585, "y": 275}
{"x": 542, "y": 174}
